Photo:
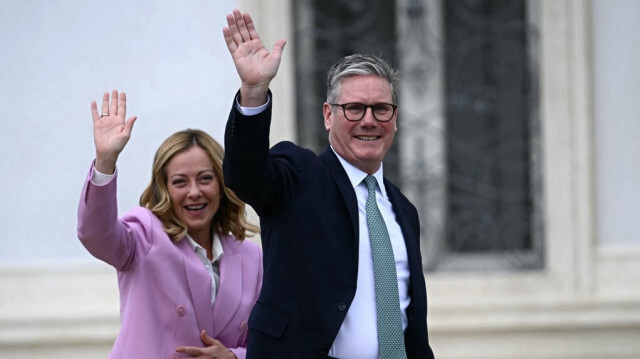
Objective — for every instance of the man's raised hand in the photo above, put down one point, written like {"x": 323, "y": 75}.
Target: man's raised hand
{"x": 256, "y": 66}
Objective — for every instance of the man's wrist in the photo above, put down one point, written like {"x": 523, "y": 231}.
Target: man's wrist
{"x": 253, "y": 95}
{"x": 251, "y": 111}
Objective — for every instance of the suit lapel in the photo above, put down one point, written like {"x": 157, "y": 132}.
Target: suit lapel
{"x": 346, "y": 253}
{"x": 344, "y": 186}
{"x": 408, "y": 228}
{"x": 230, "y": 291}
{"x": 199, "y": 284}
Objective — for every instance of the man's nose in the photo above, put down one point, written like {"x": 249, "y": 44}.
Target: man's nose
{"x": 368, "y": 119}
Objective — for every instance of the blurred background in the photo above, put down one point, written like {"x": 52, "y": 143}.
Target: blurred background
{"x": 517, "y": 138}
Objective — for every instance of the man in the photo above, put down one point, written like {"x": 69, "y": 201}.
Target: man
{"x": 321, "y": 296}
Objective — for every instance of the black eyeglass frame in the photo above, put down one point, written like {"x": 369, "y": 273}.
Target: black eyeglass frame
{"x": 344, "y": 110}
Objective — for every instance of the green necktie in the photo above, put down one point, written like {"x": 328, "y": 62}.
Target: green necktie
{"x": 390, "y": 334}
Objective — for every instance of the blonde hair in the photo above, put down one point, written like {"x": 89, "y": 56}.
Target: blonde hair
{"x": 231, "y": 215}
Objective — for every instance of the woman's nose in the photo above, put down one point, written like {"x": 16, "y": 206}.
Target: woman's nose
{"x": 194, "y": 191}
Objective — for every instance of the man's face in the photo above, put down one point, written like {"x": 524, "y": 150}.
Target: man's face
{"x": 362, "y": 143}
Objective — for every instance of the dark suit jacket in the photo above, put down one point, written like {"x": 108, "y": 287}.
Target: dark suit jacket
{"x": 309, "y": 218}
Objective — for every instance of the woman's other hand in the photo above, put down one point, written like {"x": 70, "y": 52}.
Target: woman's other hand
{"x": 213, "y": 349}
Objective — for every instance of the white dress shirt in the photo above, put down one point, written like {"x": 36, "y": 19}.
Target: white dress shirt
{"x": 358, "y": 335}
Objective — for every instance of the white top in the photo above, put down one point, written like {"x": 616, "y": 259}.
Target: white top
{"x": 213, "y": 266}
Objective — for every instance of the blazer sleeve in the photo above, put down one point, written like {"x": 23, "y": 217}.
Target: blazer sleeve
{"x": 118, "y": 242}
{"x": 246, "y": 157}
{"x": 241, "y": 353}
{"x": 262, "y": 177}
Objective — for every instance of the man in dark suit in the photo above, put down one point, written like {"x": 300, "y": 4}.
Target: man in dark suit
{"x": 321, "y": 296}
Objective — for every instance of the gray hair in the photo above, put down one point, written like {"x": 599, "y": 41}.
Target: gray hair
{"x": 361, "y": 65}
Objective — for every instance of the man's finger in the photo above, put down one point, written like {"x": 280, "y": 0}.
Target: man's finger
{"x": 234, "y": 30}
{"x": 278, "y": 47}
{"x": 241, "y": 25}
{"x": 231, "y": 45}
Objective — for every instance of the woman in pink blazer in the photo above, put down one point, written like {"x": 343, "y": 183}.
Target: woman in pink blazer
{"x": 187, "y": 278}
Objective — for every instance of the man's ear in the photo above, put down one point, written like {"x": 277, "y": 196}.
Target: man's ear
{"x": 396, "y": 122}
{"x": 326, "y": 112}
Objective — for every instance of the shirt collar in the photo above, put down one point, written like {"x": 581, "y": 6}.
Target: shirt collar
{"x": 216, "y": 249}
{"x": 356, "y": 175}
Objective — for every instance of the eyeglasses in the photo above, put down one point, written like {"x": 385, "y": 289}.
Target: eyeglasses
{"x": 354, "y": 111}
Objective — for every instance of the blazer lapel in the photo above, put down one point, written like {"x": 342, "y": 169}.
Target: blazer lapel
{"x": 199, "y": 284}
{"x": 344, "y": 185}
{"x": 230, "y": 293}
{"x": 408, "y": 229}
{"x": 346, "y": 254}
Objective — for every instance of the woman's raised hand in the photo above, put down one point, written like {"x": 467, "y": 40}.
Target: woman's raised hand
{"x": 110, "y": 131}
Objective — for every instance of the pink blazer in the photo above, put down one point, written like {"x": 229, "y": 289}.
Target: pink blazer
{"x": 165, "y": 290}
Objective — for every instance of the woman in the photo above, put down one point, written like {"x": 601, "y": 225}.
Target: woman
{"x": 187, "y": 278}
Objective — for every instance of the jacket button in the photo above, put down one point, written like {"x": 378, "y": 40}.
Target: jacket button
{"x": 342, "y": 307}
{"x": 181, "y": 310}
{"x": 243, "y": 326}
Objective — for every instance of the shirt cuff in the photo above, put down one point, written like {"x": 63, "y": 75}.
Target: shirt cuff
{"x": 100, "y": 179}
{"x": 251, "y": 111}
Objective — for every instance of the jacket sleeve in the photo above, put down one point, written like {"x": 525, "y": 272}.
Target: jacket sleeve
{"x": 118, "y": 242}
{"x": 241, "y": 353}
{"x": 263, "y": 177}
{"x": 246, "y": 158}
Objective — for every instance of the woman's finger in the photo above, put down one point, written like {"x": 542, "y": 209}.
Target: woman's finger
{"x": 206, "y": 339}
{"x": 94, "y": 111}
{"x": 113, "y": 106}
{"x": 105, "y": 104}
{"x": 122, "y": 105}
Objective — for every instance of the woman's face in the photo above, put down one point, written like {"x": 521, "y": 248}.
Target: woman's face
{"x": 194, "y": 190}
